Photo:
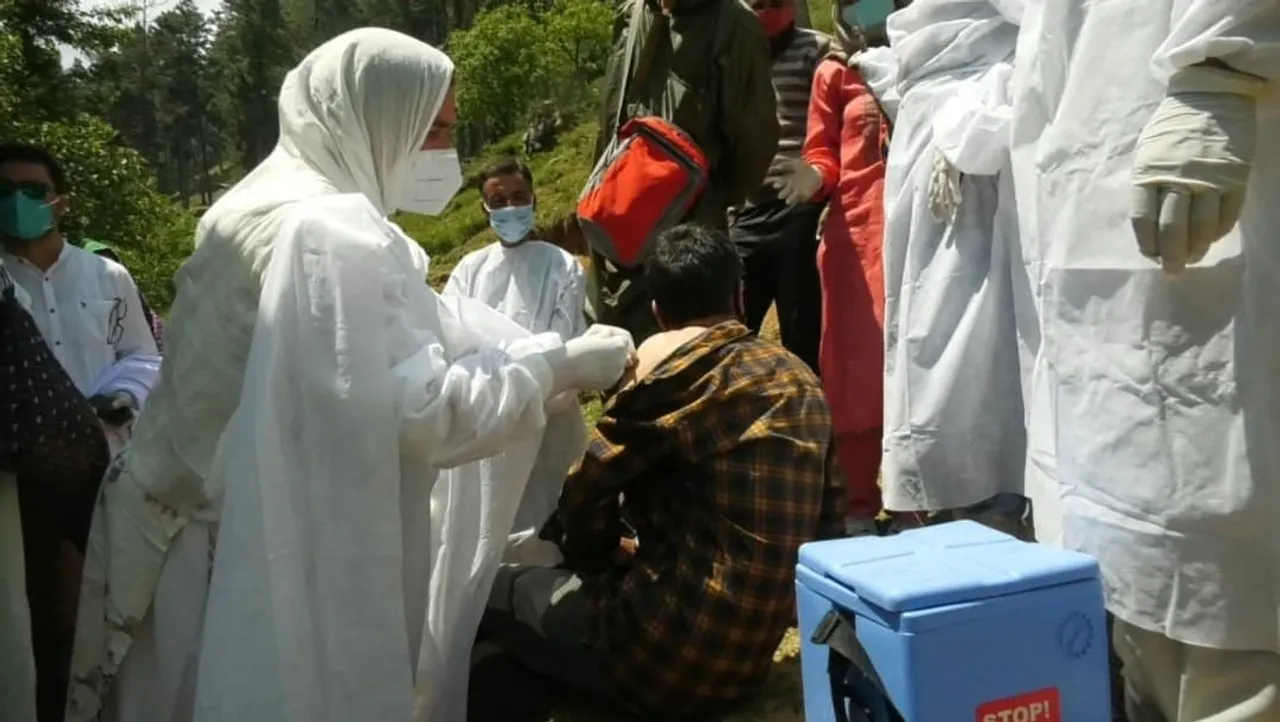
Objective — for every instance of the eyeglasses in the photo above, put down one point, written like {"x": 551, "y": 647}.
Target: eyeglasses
{"x": 35, "y": 190}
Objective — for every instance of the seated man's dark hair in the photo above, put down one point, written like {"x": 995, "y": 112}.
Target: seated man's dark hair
{"x": 26, "y": 153}
{"x": 506, "y": 166}
{"x": 693, "y": 273}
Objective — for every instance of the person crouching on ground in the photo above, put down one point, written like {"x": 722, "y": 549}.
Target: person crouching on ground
{"x": 681, "y": 524}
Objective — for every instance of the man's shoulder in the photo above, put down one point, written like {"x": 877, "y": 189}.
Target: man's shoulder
{"x": 100, "y": 264}
{"x": 337, "y": 222}
{"x": 476, "y": 256}
{"x": 555, "y": 255}
{"x": 778, "y": 369}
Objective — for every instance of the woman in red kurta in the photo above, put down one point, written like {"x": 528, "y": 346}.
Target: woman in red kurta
{"x": 844, "y": 159}
{"x": 845, "y": 144}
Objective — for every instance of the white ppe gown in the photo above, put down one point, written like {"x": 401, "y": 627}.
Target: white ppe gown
{"x": 543, "y": 289}
{"x": 954, "y": 429}
{"x": 312, "y": 388}
{"x": 1155, "y": 403}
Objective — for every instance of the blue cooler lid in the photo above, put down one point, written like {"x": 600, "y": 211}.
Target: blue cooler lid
{"x": 962, "y": 561}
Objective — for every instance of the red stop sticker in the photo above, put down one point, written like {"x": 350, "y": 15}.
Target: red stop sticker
{"x": 1039, "y": 706}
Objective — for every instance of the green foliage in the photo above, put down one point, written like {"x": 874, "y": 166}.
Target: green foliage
{"x": 514, "y": 55}
{"x": 500, "y": 67}
{"x": 820, "y": 17}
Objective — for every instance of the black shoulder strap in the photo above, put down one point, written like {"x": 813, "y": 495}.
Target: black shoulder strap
{"x": 657, "y": 31}
{"x": 838, "y": 632}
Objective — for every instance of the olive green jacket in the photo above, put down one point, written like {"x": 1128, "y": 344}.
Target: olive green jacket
{"x": 711, "y": 77}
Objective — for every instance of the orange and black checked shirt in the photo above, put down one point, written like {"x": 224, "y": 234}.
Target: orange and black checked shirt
{"x": 723, "y": 457}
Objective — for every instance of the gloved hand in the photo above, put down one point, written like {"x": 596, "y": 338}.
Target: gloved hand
{"x": 593, "y": 361}
{"x": 1192, "y": 164}
{"x": 795, "y": 180}
{"x": 114, "y": 408}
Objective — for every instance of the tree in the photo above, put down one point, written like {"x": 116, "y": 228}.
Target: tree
{"x": 113, "y": 194}
{"x": 180, "y": 43}
{"x": 515, "y": 55}
{"x": 251, "y": 52}
{"x": 578, "y": 38}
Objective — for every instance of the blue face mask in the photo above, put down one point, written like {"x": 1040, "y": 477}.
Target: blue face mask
{"x": 513, "y": 223}
{"x": 24, "y": 218}
{"x": 867, "y": 13}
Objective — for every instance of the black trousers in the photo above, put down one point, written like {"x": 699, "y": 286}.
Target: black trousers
{"x": 779, "y": 249}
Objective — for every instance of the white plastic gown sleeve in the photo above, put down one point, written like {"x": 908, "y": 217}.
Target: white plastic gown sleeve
{"x": 1159, "y": 400}
{"x": 953, "y": 412}
{"x": 542, "y": 288}
{"x": 326, "y": 604}
{"x": 134, "y": 375}
{"x": 17, "y": 666}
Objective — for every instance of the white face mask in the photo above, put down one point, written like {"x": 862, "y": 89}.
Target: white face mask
{"x": 433, "y": 181}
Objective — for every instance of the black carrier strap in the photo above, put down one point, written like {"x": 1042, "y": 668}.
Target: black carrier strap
{"x": 838, "y": 631}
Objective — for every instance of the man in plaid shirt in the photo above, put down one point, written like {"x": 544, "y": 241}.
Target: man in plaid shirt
{"x": 711, "y": 467}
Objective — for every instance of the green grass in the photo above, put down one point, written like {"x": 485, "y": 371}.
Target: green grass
{"x": 820, "y": 16}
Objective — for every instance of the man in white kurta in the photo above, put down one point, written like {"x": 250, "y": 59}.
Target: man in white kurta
{"x": 543, "y": 289}
{"x": 1147, "y": 168}
{"x": 312, "y": 391}
{"x": 87, "y": 307}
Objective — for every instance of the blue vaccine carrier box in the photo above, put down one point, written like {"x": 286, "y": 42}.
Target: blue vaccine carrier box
{"x": 951, "y": 623}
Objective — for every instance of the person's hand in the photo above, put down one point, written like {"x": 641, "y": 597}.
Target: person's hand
{"x": 594, "y": 361}
{"x": 114, "y": 408}
{"x": 795, "y": 180}
{"x": 1192, "y": 164}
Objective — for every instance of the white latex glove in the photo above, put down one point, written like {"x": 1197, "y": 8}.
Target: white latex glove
{"x": 1192, "y": 164}
{"x": 594, "y": 361}
{"x": 524, "y": 547}
{"x": 795, "y": 180}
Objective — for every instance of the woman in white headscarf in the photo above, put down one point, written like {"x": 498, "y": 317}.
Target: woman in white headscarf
{"x": 314, "y": 386}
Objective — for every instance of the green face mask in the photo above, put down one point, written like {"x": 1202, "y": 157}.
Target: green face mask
{"x": 25, "y": 215}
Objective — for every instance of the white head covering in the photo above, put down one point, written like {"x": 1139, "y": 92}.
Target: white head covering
{"x": 352, "y": 114}
{"x": 357, "y": 108}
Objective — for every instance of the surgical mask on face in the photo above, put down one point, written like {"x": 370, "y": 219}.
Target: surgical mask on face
{"x": 434, "y": 179}
{"x": 23, "y": 217}
{"x": 867, "y": 13}
{"x": 512, "y": 224}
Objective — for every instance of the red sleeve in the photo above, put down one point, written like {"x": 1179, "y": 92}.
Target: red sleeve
{"x": 822, "y": 141}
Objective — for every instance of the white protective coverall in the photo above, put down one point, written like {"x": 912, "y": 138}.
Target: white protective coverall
{"x": 543, "y": 289}
{"x": 953, "y": 401}
{"x": 313, "y": 386}
{"x": 1155, "y": 406}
